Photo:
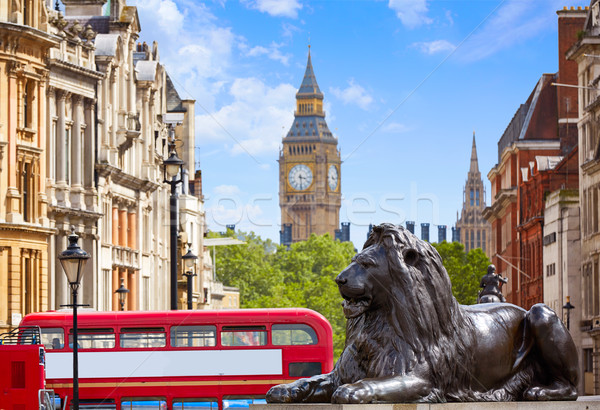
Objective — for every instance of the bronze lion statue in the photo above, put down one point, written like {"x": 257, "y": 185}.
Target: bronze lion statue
{"x": 408, "y": 339}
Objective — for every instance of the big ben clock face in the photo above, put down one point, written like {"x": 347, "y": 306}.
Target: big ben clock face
{"x": 332, "y": 177}
{"x": 300, "y": 177}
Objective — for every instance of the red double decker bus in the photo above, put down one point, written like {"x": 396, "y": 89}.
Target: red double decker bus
{"x": 182, "y": 359}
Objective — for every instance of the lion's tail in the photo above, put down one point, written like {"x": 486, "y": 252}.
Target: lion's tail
{"x": 525, "y": 348}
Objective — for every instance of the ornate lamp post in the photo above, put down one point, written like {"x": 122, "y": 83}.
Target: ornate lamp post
{"x": 73, "y": 260}
{"x": 568, "y": 306}
{"x": 122, "y": 293}
{"x": 189, "y": 260}
{"x": 172, "y": 167}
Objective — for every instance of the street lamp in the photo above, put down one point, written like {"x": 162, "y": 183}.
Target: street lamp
{"x": 172, "y": 167}
{"x": 189, "y": 259}
{"x": 568, "y": 306}
{"x": 122, "y": 293}
{"x": 73, "y": 260}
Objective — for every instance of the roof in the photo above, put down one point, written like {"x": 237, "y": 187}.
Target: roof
{"x": 146, "y": 70}
{"x": 173, "y": 99}
{"x": 106, "y": 44}
{"x": 309, "y": 86}
{"x": 309, "y": 128}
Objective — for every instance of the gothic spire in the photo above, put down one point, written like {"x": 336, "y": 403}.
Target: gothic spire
{"x": 474, "y": 164}
{"x": 309, "y": 87}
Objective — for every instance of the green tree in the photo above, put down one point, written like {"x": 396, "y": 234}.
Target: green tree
{"x": 465, "y": 269}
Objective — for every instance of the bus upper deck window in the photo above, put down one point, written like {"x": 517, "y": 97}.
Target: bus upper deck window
{"x": 193, "y": 336}
{"x": 244, "y": 336}
{"x": 53, "y": 337}
{"x": 293, "y": 334}
{"x": 134, "y": 337}
{"x": 94, "y": 338}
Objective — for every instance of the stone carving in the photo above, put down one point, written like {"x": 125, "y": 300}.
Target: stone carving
{"x": 408, "y": 339}
{"x": 491, "y": 283}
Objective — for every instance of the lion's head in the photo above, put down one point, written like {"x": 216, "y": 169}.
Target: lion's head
{"x": 398, "y": 282}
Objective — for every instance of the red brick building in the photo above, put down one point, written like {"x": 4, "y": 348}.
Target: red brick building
{"x": 545, "y": 175}
{"x": 543, "y": 126}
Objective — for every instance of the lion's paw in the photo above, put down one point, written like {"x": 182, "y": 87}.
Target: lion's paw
{"x": 557, "y": 391}
{"x": 355, "y": 393}
{"x": 279, "y": 394}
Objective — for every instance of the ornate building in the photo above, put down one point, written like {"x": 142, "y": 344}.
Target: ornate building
{"x": 71, "y": 148}
{"x": 584, "y": 52}
{"x": 24, "y": 226}
{"x": 309, "y": 169}
{"x": 474, "y": 230}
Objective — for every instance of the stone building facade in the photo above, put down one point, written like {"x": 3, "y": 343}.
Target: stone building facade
{"x": 24, "y": 225}
{"x": 85, "y": 119}
{"x": 585, "y": 53}
{"x": 474, "y": 230}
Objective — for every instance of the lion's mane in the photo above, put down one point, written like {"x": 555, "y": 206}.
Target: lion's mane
{"x": 422, "y": 322}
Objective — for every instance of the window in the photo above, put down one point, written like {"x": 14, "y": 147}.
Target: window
{"x": 241, "y": 402}
{"x": 143, "y": 338}
{"x": 93, "y": 338}
{"x": 296, "y": 334}
{"x": 471, "y": 197}
{"x": 144, "y": 404}
{"x": 244, "y": 336}
{"x": 53, "y": 337}
{"x": 307, "y": 369}
{"x": 588, "y": 360}
{"x": 193, "y": 336}
{"x": 210, "y": 404}
{"x": 477, "y": 197}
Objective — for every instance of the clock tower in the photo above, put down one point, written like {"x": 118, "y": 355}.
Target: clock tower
{"x": 309, "y": 168}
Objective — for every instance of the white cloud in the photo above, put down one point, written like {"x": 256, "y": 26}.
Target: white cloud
{"x": 171, "y": 19}
{"x": 434, "y": 47}
{"x": 353, "y": 94}
{"x": 412, "y": 13}
{"x": 395, "y": 127}
{"x": 276, "y": 8}
{"x": 255, "y": 121}
{"x": 225, "y": 190}
{"x": 272, "y": 52}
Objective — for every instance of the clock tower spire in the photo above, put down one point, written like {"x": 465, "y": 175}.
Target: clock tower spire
{"x": 309, "y": 168}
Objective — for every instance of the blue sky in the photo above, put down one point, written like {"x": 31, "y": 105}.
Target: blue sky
{"x": 406, "y": 82}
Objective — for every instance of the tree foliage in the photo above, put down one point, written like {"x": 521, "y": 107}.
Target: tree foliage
{"x": 465, "y": 269}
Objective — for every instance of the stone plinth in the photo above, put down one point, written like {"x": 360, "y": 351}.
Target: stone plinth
{"x": 581, "y": 404}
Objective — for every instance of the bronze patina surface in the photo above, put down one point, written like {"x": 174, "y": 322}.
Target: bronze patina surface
{"x": 408, "y": 339}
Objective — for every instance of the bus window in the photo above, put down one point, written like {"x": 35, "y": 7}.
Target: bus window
{"x": 293, "y": 334}
{"x": 143, "y": 404}
{"x": 237, "y": 402}
{"x": 94, "y": 339}
{"x": 143, "y": 337}
{"x": 53, "y": 338}
{"x": 306, "y": 369}
{"x": 195, "y": 404}
{"x": 104, "y": 404}
{"x": 193, "y": 336}
{"x": 244, "y": 336}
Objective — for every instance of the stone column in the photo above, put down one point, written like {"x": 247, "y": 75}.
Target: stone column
{"x": 51, "y": 141}
{"x": 114, "y": 109}
{"x": 133, "y": 290}
{"x": 12, "y": 196}
{"x": 115, "y": 286}
{"x": 76, "y": 153}
{"x": 89, "y": 160}
{"x": 115, "y": 225}
{"x": 61, "y": 141}
{"x": 122, "y": 227}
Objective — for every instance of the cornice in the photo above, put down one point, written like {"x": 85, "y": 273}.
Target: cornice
{"x": 120, "y": 177}
{"x": 46, "y": 39}
{"x": 5, "y": 226}
{"x": 61, "y": 210}
{"x": 77, "y": 68}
